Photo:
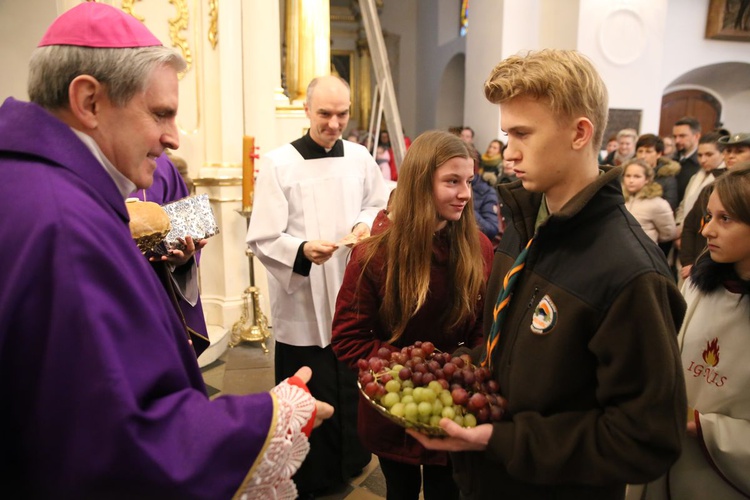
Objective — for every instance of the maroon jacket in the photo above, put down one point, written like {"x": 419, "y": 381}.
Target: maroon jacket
{"x": 358, "y": 333}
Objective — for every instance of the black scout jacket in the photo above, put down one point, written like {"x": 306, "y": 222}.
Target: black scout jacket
{"x": 587, "y": 358}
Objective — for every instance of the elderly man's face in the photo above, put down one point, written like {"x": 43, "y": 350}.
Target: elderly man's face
{"x": 134, "y": 135}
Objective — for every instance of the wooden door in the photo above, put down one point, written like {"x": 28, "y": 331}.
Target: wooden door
{"x": 695, "y": 103}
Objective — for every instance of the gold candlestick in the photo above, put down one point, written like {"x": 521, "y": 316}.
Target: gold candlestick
{"x": 245, "y": 330}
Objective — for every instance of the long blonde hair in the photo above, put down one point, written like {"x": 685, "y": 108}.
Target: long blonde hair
{"x": 408, "y": 241}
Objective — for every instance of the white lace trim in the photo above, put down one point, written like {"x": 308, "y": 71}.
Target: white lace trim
{"x": 287, "y": 448}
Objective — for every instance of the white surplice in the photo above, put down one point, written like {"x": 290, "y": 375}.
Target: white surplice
{"x": 304, "y": 200}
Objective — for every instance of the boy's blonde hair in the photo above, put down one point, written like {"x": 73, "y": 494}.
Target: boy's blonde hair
{"x": 565, "y": 79}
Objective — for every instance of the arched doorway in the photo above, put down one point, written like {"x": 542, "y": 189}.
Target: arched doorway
{"x": 449, "y": 108}
{"x": 696, "y": 103}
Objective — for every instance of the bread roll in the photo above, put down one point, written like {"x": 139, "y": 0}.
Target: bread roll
{"x": 149, "y": 223}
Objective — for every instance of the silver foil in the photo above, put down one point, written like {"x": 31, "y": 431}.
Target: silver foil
{"x": 191, "y": 216}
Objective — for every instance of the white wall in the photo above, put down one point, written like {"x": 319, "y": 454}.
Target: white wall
{"x": 433, "y": 57}
{"x": 639, "y": 46}
{"x": 625, "y": 42}
{"x": 484, "y": 44}
{"x": 451, "y": 111}
{"x": 22, "y": 25}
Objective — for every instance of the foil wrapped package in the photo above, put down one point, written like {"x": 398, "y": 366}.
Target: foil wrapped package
{"x": 191, "y": 216}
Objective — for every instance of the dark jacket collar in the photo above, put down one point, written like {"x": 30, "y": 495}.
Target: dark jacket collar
{"x": 311, "y": 150}
{"x": 604, "y": 194}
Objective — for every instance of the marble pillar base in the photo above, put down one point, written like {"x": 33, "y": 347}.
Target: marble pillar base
{"x": 219, "y": 337}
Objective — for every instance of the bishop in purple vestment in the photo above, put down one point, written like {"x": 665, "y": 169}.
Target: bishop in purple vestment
{"x": 103, "y": 396}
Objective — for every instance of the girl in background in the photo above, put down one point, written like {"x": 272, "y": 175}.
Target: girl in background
{"x": 643, "y": 200}
{"x": 491, "y": 163}
{"x": 421, "y": 276}
{"x": 715, "y": 345}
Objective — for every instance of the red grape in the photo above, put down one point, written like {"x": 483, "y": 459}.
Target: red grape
{"x": 371, "y": 389}
{"x": 460, "y": 396}
{"x": 477, "y": 401}
{"x": 496, "y": 413}
{"x": 384, "y": 353}
{"x": 483, "y": 415}
{"x": 376, "y": 364}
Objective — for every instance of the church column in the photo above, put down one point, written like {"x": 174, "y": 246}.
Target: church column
{"x": 364, "y": 99}
{"x": 308, "y": 41}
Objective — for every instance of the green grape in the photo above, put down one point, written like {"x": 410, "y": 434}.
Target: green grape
{"x": 411, "y": 410}
{"x": 429, "y": 396}
{"x": 397, "y": 368}
{"x": 418, "y": 394}
{"x": 393, "y": 386}
{"x": 446, "y": 398}
{"x": 470, "y": 420}
{"x": 449, "y": 412}
{"x": 398, "y": 409}
{"x": 435, "y": 387}
{"x": 407, "y": 383}
{"x": 425, "y": 408}
{"x": 424, "y": 419}
{"x": 390, "y": 399}
{"x": 435, "y": 420}
{"x": 437, "y": 407}
{"x": 459, "y": 419}
{"x": 406, "y": 390}
{"x": 407, "y": 398}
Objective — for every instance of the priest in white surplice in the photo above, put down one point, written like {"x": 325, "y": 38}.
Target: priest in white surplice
{"x": 312, "y": 198}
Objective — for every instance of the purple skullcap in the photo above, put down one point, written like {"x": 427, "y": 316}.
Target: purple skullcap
{"x": 98, "y": 25}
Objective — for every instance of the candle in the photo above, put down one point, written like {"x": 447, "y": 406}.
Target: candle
{"x": 248, "y": 172}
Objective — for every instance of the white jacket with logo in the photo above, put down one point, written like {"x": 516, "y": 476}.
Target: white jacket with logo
{"x": 715, "y": 344}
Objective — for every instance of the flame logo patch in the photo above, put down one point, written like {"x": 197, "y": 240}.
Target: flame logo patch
{"x": 544, "y": 318}
{"x": 711, "y": 354}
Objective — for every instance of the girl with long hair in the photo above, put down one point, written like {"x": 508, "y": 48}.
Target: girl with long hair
{"x": 420, "y": 277}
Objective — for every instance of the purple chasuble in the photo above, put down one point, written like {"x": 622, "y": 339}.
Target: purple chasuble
{"x": 103, "y": 395}
{"x": 168, "y": 186}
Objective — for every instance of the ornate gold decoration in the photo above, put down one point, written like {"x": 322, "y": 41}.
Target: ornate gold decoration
{"x": 213, "y": 27}
{"x": 176, "y": 25}
{"x": 127, "y": 7}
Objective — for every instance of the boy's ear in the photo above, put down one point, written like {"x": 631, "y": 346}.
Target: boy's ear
{"x": 584, "y": 132}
